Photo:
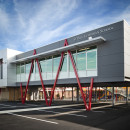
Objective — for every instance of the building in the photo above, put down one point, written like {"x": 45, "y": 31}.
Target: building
{"x": 103, "y": 54}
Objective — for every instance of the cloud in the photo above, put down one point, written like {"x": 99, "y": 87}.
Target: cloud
{"x": 4, "y": 20}
{"x": 125, "y": 14}
{"x": 31, "y": 24}
{"x": 47, "y": 21}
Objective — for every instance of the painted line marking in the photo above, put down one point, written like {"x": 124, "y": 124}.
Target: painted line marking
{"x": 34, "y": 118}
{"x": 63, "y": 113}
{"x": 69, "y": 108}
{"x": 52, "y": 107}
{"x": 98, "y": 111}
{"x": 31, "y": 104}
{"x": 13, "y": 106}
{"x": 5, "y": 105}
{"x": 37, "y": 108}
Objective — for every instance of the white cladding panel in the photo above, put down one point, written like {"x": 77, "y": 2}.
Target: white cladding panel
{"x": 3, "y": 55}
{"x": 9, "y": 70}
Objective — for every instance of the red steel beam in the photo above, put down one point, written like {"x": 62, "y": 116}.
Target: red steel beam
{"x": 58, "y": 71}
{"x": 76, "y": 74}
{"x": 90, "y": 94}
{"x": 52, "y": 94}
{"x": 57, "y": 75}
{"x": 42, "y": 82}
{"x": 31, "y": 69}
{"x": 32, "y": 63}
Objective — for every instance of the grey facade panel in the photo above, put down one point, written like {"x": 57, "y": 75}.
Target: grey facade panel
{"x": 81, "y": 37}
{"x": 112, "y": 64}
{"x": 127, "y": 51}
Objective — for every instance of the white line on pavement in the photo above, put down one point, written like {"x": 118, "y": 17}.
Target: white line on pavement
{"x": 98, "y": 111}
{"x": 31, "y": 104}
{"x": 13, "y": 107}
{"x": 63, "y": 113}
{"x": 34, "y": 118}
{"x": 5, "y": 105}
{"x": 37, "y": 108}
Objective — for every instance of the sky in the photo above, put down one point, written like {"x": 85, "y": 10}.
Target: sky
{"x": 29, "y": 24}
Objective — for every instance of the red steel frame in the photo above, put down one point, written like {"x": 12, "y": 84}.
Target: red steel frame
{"x": 88, "y": 107}
{"x": 31, "y": 69}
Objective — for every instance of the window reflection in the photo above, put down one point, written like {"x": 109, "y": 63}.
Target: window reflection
{"x": 81, "y": 60}
{"x": 84, "y": 59}
{"x": 18, "y": 69}
{"x": 64, "y": 64}
{"x": 74, "y": 55}
{"x": 56, "y": 61}
{"x": 91, "y": 60}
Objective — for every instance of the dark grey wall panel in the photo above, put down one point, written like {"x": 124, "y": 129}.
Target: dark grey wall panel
{"x": 111, "y": 59}
{"x": 127, "y": 50}
{"x": 77, "y": 38}
{"x": 110, "y": 55}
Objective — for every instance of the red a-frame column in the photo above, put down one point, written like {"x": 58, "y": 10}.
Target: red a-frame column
{"x": 52, "y": 94}
{"x": 31, "y": 69}
{"x": 42, "y": 82}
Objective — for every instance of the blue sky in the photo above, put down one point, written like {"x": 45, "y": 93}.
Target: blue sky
{"x": 29, "y": 24}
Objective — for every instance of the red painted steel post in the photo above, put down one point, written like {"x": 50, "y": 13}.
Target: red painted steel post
{"x": 86, "y": 106}
{"x": 31, "y": 69}
{"x": 28, "y": 81}
{"x": 52, "y": 93}
{"x": 90, "y": 94}
{"x": 21, "y": 93}
{"x": 42, "y": 82}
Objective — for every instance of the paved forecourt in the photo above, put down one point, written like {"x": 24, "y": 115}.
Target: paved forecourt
{"x": 69, "y": 116}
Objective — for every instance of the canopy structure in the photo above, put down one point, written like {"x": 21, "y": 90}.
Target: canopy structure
{"x": 92, "y": 41}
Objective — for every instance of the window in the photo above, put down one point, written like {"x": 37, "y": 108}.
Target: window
{"x": 22, "y": 68}
{"x": 18, "y": 69}
{"x": 43, "y": 65}
{"x": 28, "y": 67}
{"x": 81, "y": 61}
{"x": 49, "y": 64}
{"x": 74, "y": 59}
{"x": 56, "y": 61}
{"x": 91, "y": 59}
{"x": 1, "y": 68}
{"x": 64, "y": 64}
{"x": 36, "y": 66}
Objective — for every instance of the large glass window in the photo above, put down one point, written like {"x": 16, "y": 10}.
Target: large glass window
{"x": 81, "y": 60}
{"x": 56, "y": 61}
{"x": 49, "y": 64}
{"x": 64, "y": 64}
{"x": 43, "y": 65}
{"x": 36, "y": 68}
{"x": 22, "y": 67}
{"x": 18, "y": 69}
{"x": 74, "y": 59}
{"x": 27, "y": 68}
{"x": 91, "y": 59}
{"x": 84, "y": 59}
